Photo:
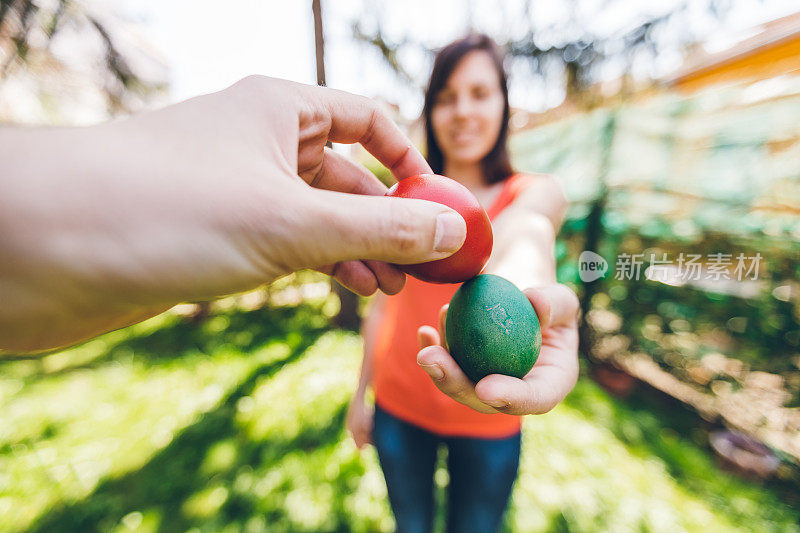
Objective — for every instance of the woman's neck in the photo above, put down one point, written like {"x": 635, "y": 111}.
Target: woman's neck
{"x": 469, "y": 175}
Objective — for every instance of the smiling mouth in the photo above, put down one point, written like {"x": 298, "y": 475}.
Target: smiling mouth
{"x": 463, "y": 138}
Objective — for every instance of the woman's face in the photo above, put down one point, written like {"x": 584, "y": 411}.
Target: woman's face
{"x": 467, "y": 114}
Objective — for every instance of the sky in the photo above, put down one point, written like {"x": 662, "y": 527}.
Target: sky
{"x": 208, "y": 45}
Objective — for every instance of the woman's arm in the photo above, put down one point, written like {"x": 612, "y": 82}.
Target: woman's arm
{"x": 525, "y": 233}
{"x": 524, "y": 249}
{"x": 369, "y": 331}
{"x": 359, "y": 414}
{"x": 545, "y": 196}
{"x": 524, "y": 254}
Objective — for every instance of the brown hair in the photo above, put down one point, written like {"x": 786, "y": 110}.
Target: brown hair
{"x": 496, "y": 164}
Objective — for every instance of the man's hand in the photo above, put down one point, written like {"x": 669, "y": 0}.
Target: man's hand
{"x": 550, "y": 380}
{"x": 104, "y": 226}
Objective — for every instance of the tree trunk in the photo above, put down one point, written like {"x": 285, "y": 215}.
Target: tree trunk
{"x": 319, "y": 41}
{"x": 594, "y": 234}
{"x": 348, "y": 312}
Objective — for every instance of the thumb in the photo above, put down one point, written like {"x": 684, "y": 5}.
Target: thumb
{"x": 395, "y": 230}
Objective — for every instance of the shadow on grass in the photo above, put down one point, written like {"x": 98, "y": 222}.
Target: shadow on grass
{"x": 174, "y": 474}
{"x": 239, "y": 330}
{"x": 178, "y": 339}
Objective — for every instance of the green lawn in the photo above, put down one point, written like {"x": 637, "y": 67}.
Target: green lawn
{"x": 237, "y": 425}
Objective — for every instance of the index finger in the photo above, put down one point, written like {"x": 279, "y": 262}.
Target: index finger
{"x": 358, "y": 119}
{"x": 555, "y": 305}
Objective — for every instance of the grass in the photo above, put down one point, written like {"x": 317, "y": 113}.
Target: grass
{"x": 237, "y": 425}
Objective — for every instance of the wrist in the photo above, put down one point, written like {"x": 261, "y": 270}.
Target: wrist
{"x": 360, "y": 393}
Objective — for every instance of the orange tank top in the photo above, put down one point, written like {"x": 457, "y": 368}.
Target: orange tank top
{"x": 401, "y": 387}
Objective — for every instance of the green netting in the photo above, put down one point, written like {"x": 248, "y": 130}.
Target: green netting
{"x": 725, "y": 159}
{"x": 713, "y": 173}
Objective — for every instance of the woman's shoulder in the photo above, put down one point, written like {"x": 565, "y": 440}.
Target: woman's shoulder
{"x": 544, "y": 187}
{"x": 534, "y": 177}
{"x": 541, "y": 193}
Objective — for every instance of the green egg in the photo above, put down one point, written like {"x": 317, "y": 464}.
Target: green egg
{"x": 491, "y": 328}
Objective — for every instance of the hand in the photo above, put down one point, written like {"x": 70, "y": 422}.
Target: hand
{"x": 360, "y": 418}
{"x": 550, "y": 380}
{"x": 104, "y": 226}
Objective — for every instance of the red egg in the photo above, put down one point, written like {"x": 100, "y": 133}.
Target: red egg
{"x": 470, "y": 259}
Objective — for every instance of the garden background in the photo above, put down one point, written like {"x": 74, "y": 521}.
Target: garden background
{"x": 229, "y": 416}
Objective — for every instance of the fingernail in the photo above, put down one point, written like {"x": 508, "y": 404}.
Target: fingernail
{"x": 497, "y": 404}
{"x": 451, "y": 231}
{"x": 434, "y": 371}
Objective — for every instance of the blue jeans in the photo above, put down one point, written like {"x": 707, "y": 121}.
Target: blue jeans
{"x": 482, "y": 473}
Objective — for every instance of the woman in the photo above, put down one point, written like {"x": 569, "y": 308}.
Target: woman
{"x": 466, "y": 119}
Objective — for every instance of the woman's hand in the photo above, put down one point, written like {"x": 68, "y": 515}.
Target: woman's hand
{"x": 107, "y": 225}
{"x": 550, "y": 380}
{"x": 360, "y": 417}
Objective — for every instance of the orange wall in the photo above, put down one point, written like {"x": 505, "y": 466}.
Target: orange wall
{"x": 763, "y": 63}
